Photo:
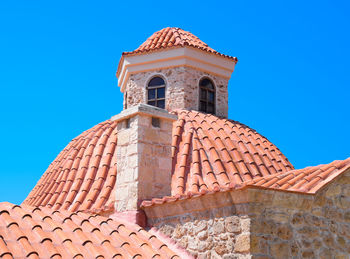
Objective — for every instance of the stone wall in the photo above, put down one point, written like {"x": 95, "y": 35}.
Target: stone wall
{"x": 261, "y": 223}
{"x": 182, "y": 89}
{"x": 290, "y": 225}
{"x": 215, "y": 233}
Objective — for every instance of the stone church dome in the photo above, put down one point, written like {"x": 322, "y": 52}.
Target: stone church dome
{"x": 208, "y": 153}
{"x": 171, "y": 176}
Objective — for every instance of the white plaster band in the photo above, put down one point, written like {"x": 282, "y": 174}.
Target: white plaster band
{"x": 144, "y": 109}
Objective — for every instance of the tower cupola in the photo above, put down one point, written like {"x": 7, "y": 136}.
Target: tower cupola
{"x": 173, "y": 69}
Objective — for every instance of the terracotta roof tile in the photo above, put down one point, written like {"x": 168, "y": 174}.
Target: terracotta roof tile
{"x": 171, "y": 37}
{"x": 82, "y": 175}
{"x": 220, "y": 157}
{"x": 208, "y": 153}
{"x": 308, "y": 180}
{"x": 60, "y": 234}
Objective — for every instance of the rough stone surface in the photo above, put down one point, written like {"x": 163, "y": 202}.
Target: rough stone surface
{"x": 292, "y": 225}
{"x": 143, "y": 161}
{"x": 273, "y": 224}
{"x": 182, "y": 89}
{"x": 215, "y": 233}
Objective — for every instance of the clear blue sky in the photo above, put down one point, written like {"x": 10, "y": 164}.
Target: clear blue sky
{"x": 58, "y": 61}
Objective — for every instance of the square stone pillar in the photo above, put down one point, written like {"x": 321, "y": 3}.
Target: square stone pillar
{"x": 143, "y": 155}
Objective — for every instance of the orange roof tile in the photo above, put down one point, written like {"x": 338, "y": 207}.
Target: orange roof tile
{"x": 45, "y": 233}
{"x": 173, "y": 37}
{"x": 208, "y": 153}
{"x": 307, "y": 180}
{"x": 83, "y": 175}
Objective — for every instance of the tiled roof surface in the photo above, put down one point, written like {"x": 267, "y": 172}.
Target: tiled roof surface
{"x": 83, "y": 175}
{"x": 28, "y": 232}
{"x": 173, "y": 37}
{"x": 307, "y": 180}
{"x": 208, "y": 153}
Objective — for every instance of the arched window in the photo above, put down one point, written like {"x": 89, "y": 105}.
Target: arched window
{"x": 156, "y": 92}
{"x": 206, "y": 96}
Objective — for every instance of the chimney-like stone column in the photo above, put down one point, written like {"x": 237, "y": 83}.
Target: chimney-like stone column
{"x": 143, "y": 155}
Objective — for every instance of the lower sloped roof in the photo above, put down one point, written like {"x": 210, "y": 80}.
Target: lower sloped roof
{"x": 31, "y": 232}
{"x": 308, "y": 180}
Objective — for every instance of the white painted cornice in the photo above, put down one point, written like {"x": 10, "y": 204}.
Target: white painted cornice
{"x": 175, "y": 57}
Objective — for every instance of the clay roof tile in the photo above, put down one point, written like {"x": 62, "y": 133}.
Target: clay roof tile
{"x": 173, "y": 37}
{"x": 308, "y": 180}
{"x": 208, "y": 152}
{"x": 55, "y": 235}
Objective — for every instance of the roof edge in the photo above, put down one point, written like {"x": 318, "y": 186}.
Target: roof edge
{"x": 140, "y": 52}
{"x": 252, "y": 185}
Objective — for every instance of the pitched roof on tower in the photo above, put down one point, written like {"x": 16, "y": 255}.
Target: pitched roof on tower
{"x": 172, "y": 37}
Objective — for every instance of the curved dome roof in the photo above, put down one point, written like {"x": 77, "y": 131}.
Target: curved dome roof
{"x": 83, "y": 175}
{"x": 208, "y": 152}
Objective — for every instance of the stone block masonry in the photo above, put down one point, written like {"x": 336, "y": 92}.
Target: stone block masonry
{"x": 291, "y": 225}
{"x": 261, "y": 223}
{"x": 182, "y": 89}
{"x": 207, "y": 227}
{"x": 217, "y": 233}
{"x": 143, "y": 156}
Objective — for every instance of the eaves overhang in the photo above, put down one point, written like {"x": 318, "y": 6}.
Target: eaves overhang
{"x": 174, "y": 57}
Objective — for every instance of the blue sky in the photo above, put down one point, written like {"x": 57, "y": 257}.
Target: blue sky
{"x": 58, "y": 61}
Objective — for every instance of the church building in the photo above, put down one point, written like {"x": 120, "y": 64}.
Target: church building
{"x": 172, "y": 176}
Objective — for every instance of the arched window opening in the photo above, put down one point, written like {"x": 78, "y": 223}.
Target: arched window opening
{"x": 206, "y": 96}
{"x": 156, "y": 92}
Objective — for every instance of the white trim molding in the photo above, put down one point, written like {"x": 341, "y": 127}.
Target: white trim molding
{"x": 177, "y": 57}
